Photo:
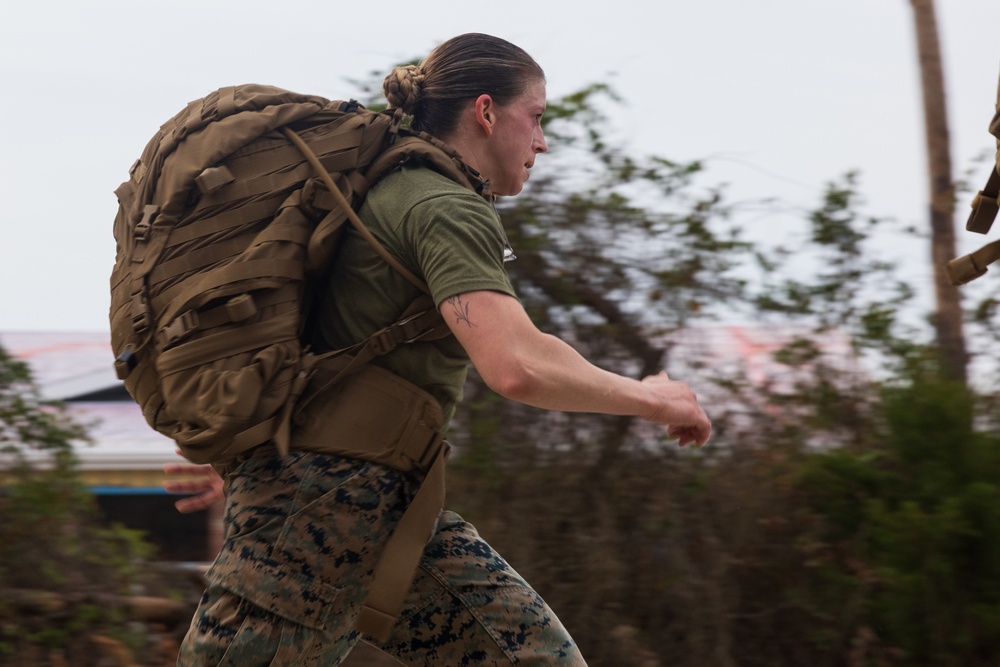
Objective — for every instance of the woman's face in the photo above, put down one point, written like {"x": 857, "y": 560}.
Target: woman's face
{"x": 516, "y": 139}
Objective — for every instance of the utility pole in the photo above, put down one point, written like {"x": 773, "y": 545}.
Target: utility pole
{"x": 948, "y": 322}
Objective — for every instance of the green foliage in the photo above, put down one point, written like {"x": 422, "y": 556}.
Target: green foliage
{"x": 916, "y": 516}
{"x": 836, "y": 279}
{"x": 25, "y": 423}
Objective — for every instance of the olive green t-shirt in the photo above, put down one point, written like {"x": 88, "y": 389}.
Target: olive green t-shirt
{"x": 442, "y": 232}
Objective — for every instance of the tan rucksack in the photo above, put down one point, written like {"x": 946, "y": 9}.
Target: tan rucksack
{"x": 985, "y": 206}
{"x": 235, "y": 207}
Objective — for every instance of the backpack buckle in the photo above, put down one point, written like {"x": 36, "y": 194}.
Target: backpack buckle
{"x": 350, "y": 106}
{"x": 386, "y": 340}
{"x": 179, "y": 328}
{"x": 142, "y": 228}
{"x": 140, "y": 311}
{"x": 125, "y": 362}
{"x": 316, "y": 196}
{"x": 403, "y": 332}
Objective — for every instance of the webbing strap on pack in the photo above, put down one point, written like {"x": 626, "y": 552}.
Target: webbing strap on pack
{"x": 419, "y": 322}
{"x": 364, "y": 402}
{"x": 424, "y": 325}
{"x": 969, "y": 267}
{"x": 401, "y": 554}
{"x": 985, "y": 205}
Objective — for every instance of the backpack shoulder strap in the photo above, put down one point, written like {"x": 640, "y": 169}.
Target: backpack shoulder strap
{"x": 421, "y": 320}
{"x": 352, "y": 216}
{"x": 432, "y": 152}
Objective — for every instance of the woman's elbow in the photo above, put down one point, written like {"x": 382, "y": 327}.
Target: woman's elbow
{"x": 512, "y": 380}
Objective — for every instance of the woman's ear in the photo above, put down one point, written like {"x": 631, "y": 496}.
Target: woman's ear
{"x": 485, "y": 113}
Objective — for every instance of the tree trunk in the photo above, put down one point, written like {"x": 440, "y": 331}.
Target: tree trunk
{"x": 948, "y": 311}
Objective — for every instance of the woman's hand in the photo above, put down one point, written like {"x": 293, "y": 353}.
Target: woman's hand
{"x": 679, "y": 411}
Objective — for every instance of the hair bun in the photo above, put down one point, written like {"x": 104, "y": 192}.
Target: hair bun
{"x": 403, "y": 86}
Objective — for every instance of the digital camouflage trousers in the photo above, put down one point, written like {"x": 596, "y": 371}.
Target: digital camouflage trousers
{"x": 303, "y": 535}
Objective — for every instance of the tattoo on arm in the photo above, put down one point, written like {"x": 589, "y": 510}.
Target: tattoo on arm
{"x": 461, "y": 310}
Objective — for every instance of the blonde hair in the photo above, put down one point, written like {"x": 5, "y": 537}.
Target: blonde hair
{"x": 459, "y": 70}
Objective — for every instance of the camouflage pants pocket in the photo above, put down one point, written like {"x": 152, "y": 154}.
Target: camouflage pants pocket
{"x": 305, "y": 533}
{"x": 335, "y": 535}
{"x": 230, "y": 631}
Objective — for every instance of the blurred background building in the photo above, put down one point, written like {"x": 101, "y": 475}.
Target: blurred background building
{"x": 123, "y": 465}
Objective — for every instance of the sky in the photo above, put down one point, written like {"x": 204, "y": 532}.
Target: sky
{"x": 778, "y": 96}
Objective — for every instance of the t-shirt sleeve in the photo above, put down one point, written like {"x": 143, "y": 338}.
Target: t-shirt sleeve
{"x": 458, "y": 245}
